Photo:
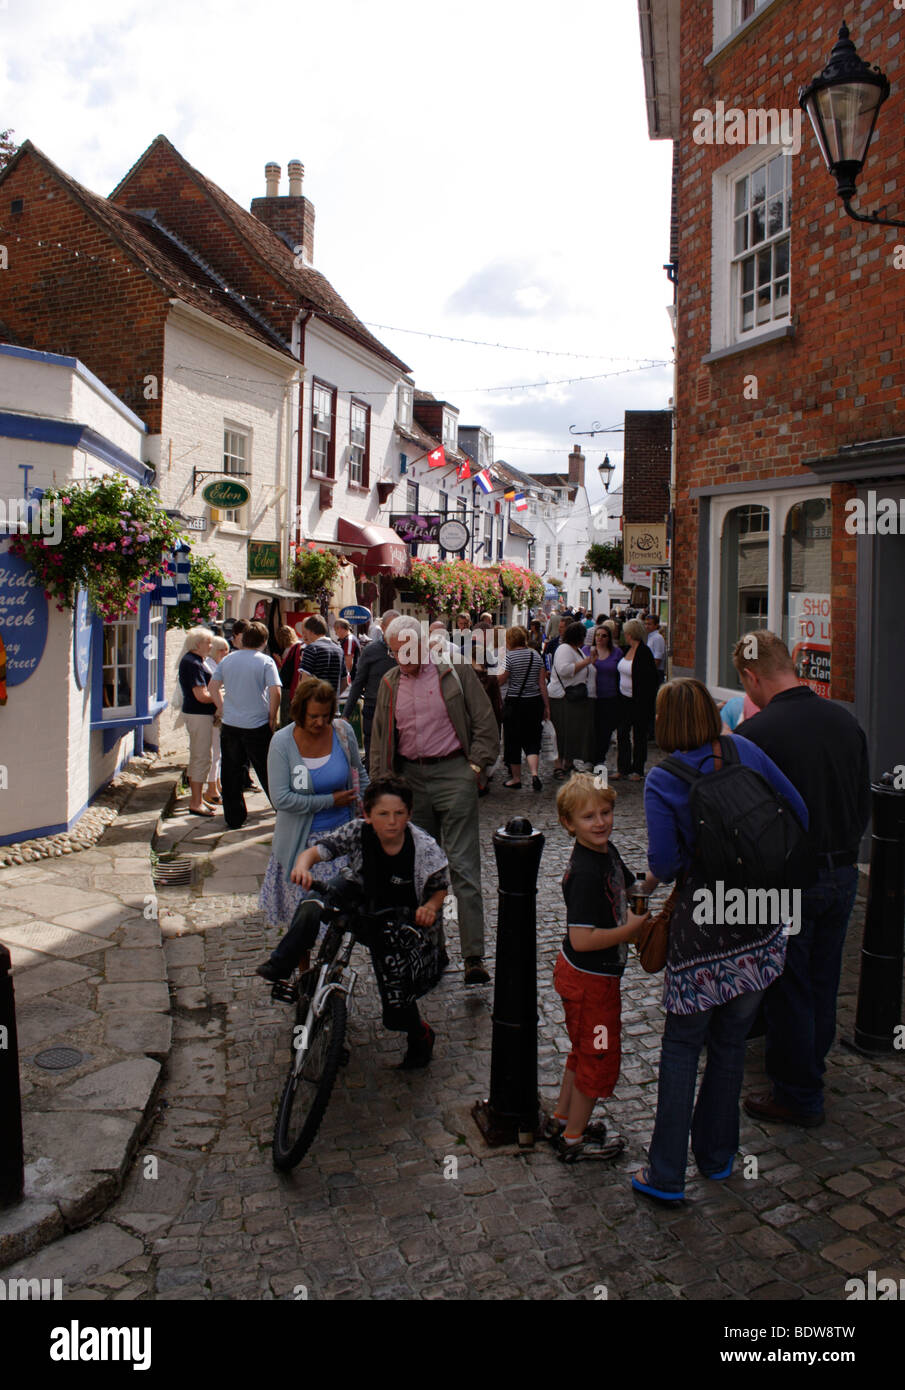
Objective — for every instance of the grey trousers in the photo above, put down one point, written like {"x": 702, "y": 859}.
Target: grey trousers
{"x": 446, "y": 806}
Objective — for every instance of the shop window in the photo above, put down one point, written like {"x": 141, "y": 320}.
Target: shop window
{"x": 806, "y": 591}
{"x": 744, "y": 582}
{"x": 128, "y": 669}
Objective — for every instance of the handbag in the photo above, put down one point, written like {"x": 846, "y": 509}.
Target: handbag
{"x": 574, "y": 693}
{"x": 653, "y": 942}
{"x": 408, "y": 961}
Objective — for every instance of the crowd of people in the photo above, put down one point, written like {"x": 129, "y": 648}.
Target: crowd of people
{"x": 401, "y": 820}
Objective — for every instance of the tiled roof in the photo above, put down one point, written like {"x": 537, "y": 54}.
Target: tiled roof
{"x": 176, "y": 274}
{"x": 517, "y": 529}
{"x": 304, "y": 282}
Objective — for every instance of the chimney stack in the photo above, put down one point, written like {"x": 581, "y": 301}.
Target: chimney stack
{"x": 292, "y": 217}
{"x": 576, "y": 466}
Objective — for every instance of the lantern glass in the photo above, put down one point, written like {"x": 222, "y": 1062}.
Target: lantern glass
{"x": 843, "y": 118}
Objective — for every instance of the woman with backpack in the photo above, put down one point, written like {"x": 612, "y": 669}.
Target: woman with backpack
{"x": 716, "y": 970}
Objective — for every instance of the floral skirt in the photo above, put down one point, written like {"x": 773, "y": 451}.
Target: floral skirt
{"x": 279, "y": 896}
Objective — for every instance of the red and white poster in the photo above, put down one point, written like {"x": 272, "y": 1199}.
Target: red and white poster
{"x": 810, "y": 631}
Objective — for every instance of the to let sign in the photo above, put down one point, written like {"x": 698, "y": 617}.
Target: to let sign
{"x": 263, "y": 559}
{"x": 644, "y": 544}
{"x": 23, "y": 617}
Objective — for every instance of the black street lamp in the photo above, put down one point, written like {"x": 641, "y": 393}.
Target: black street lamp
{"x": 842, "y": 104}
{"x": 606, "y": 471}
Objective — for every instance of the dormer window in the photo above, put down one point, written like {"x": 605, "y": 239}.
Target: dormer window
{"x": 404, "y": 400}
{"x": 450, "y": 430}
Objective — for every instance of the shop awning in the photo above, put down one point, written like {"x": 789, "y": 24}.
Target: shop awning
{"x": 378, "y": 549}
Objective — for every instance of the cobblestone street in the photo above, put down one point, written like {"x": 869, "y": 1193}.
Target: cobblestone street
{"x": 377, "y": 1210}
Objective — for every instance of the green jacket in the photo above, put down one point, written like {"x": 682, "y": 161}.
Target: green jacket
{"x": 469, "y": 710}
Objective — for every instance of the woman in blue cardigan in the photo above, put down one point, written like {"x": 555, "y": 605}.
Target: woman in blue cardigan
{"x": 315, "y": 776}
{"x": 716, "y": 975}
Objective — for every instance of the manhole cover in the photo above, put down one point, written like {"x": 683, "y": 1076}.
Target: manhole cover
{"x": 58, "y": 1058}
{"x": 174, "y": 871}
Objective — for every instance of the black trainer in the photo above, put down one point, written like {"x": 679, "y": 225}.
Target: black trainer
{"x": 418, "y": 1054}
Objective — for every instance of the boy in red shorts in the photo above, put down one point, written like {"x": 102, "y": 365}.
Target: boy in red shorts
{"x": 590, "y": 965}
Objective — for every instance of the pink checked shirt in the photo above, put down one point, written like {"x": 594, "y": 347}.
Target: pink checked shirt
{"x": 425, "y": 728}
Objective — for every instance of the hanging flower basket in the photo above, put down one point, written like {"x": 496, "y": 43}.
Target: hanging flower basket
{"x": 314, "y": 571}
{"x": 208, "y": 585}
{"x": 520, "y": 585}
{"x": 114, "y": 534}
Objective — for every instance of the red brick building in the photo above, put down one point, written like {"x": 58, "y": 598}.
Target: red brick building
{"x": 790, "y": 335}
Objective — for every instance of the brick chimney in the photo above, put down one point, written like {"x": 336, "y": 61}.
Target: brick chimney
{"x": 576, "y": 466}
{"x": 292, "y": 217}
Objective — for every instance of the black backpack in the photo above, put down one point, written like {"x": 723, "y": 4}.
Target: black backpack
{"x": 746, "y": 834}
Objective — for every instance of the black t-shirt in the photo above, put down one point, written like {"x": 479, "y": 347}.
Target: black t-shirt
{"x": 193, "y": 672}
{"x": 389, "y": 878}
{"x": 595, "y": 889}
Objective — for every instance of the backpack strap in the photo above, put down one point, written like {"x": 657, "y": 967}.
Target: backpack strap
{"x": 724, "y": 752}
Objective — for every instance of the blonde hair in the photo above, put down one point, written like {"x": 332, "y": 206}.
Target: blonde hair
{"x": 636, "y": 629}
{"x": 580, "y": 788}
{"x": 192, "y": 638}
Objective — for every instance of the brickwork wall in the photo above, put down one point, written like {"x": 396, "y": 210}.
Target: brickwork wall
{"x": 648, "y": 435}
{"x": 96, "y": 305}
{"x": 839, "y": 378}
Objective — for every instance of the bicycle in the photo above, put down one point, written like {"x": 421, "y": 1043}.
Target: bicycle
{"x": 322, "y": 996}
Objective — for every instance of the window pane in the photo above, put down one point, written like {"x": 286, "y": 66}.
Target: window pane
{"x": 806, "y": 579}
{"x": 741, "y": 196}
{"x": 776, "y": 174}
{"x": 741, "y": 234}
{"x": 781, "y": 257}
{"x": 759, "y": 184}
{"x": 764, "y": 266}
{"x": 757, "y": 224}
{"x": 775, "y": 216}
{"x": 743, "y": 583}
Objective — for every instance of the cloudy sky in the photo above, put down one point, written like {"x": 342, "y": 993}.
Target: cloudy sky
{"x": 479, "y": 170}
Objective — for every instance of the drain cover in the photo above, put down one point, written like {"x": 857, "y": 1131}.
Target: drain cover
{"x": 174, "y": 871}
{"x": 58, "y": 1058}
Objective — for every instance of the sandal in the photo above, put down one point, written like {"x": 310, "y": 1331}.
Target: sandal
{"x": 212, "y": 800}
{"x": 208, "y": 815}
{"x": 513, "y": 786}
{"x": 641, "y": 1184}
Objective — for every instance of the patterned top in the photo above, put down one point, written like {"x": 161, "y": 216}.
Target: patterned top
{"x": 431, "y": 865}
{"x": 522, "y": 664}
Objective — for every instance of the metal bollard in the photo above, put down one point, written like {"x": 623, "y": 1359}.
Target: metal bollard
{"x": 12, "y": 1157}
{"x": 879, "y": 1009}
{"x": 512, "y": 1113}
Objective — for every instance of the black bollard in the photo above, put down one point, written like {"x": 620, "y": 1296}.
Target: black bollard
{"x": 512, "y": 1113}
{"x": 12, "y": 1158}
{"x": 879, "y": 1010}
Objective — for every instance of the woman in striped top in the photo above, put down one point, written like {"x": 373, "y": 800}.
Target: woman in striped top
{"x": 525, "y": 707}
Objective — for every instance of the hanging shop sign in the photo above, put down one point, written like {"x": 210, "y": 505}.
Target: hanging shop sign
{"x": 225, "y": 493}
{"x": 81, "y": 638}
{"x": 644, "y": 544}
{"x": 635, "y": 575}
{"x": 435, "y": 529}
{"x": 264, "y": 560}
{"x": 810, "y": 636}
{"x": 23, "y": 617}
{"x": 355, "y": 613}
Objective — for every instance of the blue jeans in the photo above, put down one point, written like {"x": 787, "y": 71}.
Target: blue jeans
{"x": 714, "y": 1127}
{"x": 801, "y": 1006}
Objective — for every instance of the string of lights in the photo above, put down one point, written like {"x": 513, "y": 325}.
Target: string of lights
{"x": 235, "y": 297}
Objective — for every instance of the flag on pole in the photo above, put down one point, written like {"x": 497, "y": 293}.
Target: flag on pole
{"x": 437, "y": 457}
{"x": 463, "y": 471}
{"x": 521, "y": 502}
{"x": 484, "y": 480}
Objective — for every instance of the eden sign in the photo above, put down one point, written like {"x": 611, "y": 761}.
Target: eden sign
{"x": 224, "y": 493}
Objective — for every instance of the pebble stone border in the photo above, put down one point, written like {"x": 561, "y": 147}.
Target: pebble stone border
{"x": 91, "y": 825}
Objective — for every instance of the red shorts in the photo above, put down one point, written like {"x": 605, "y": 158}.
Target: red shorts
{"x": 593, "y": 1008}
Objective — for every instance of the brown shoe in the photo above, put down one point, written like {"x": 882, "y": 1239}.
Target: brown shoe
{"x": 764, "y": 1107}
{"x": 475, "y": 974}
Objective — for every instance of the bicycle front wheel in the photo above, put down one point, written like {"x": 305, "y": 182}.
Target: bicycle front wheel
{"x": 309, "y": 1084}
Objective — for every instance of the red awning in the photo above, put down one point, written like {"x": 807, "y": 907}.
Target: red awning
{"x": 381, "y": 550}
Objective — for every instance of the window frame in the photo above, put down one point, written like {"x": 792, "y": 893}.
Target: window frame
{"x": 364, "y": 481}
{"x": 779, "y": 503}
{"x": 330, "y": 474}
{"x": 450, "y": 431}
{"x": 725, "y": 331}
{"x": 235, "y": 516}
{"x": 147, "y": 704}
{"x": 405, "y": 405}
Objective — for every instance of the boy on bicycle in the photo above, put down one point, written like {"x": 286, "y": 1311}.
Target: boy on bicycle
{"x": 398, "y": 866}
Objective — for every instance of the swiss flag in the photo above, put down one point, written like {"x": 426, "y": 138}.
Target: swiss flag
{"x": 463, "y": 472}
{"x": 437, "y": 459}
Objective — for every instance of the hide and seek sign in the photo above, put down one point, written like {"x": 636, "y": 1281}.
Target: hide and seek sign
{"x": 23, "y": 617}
